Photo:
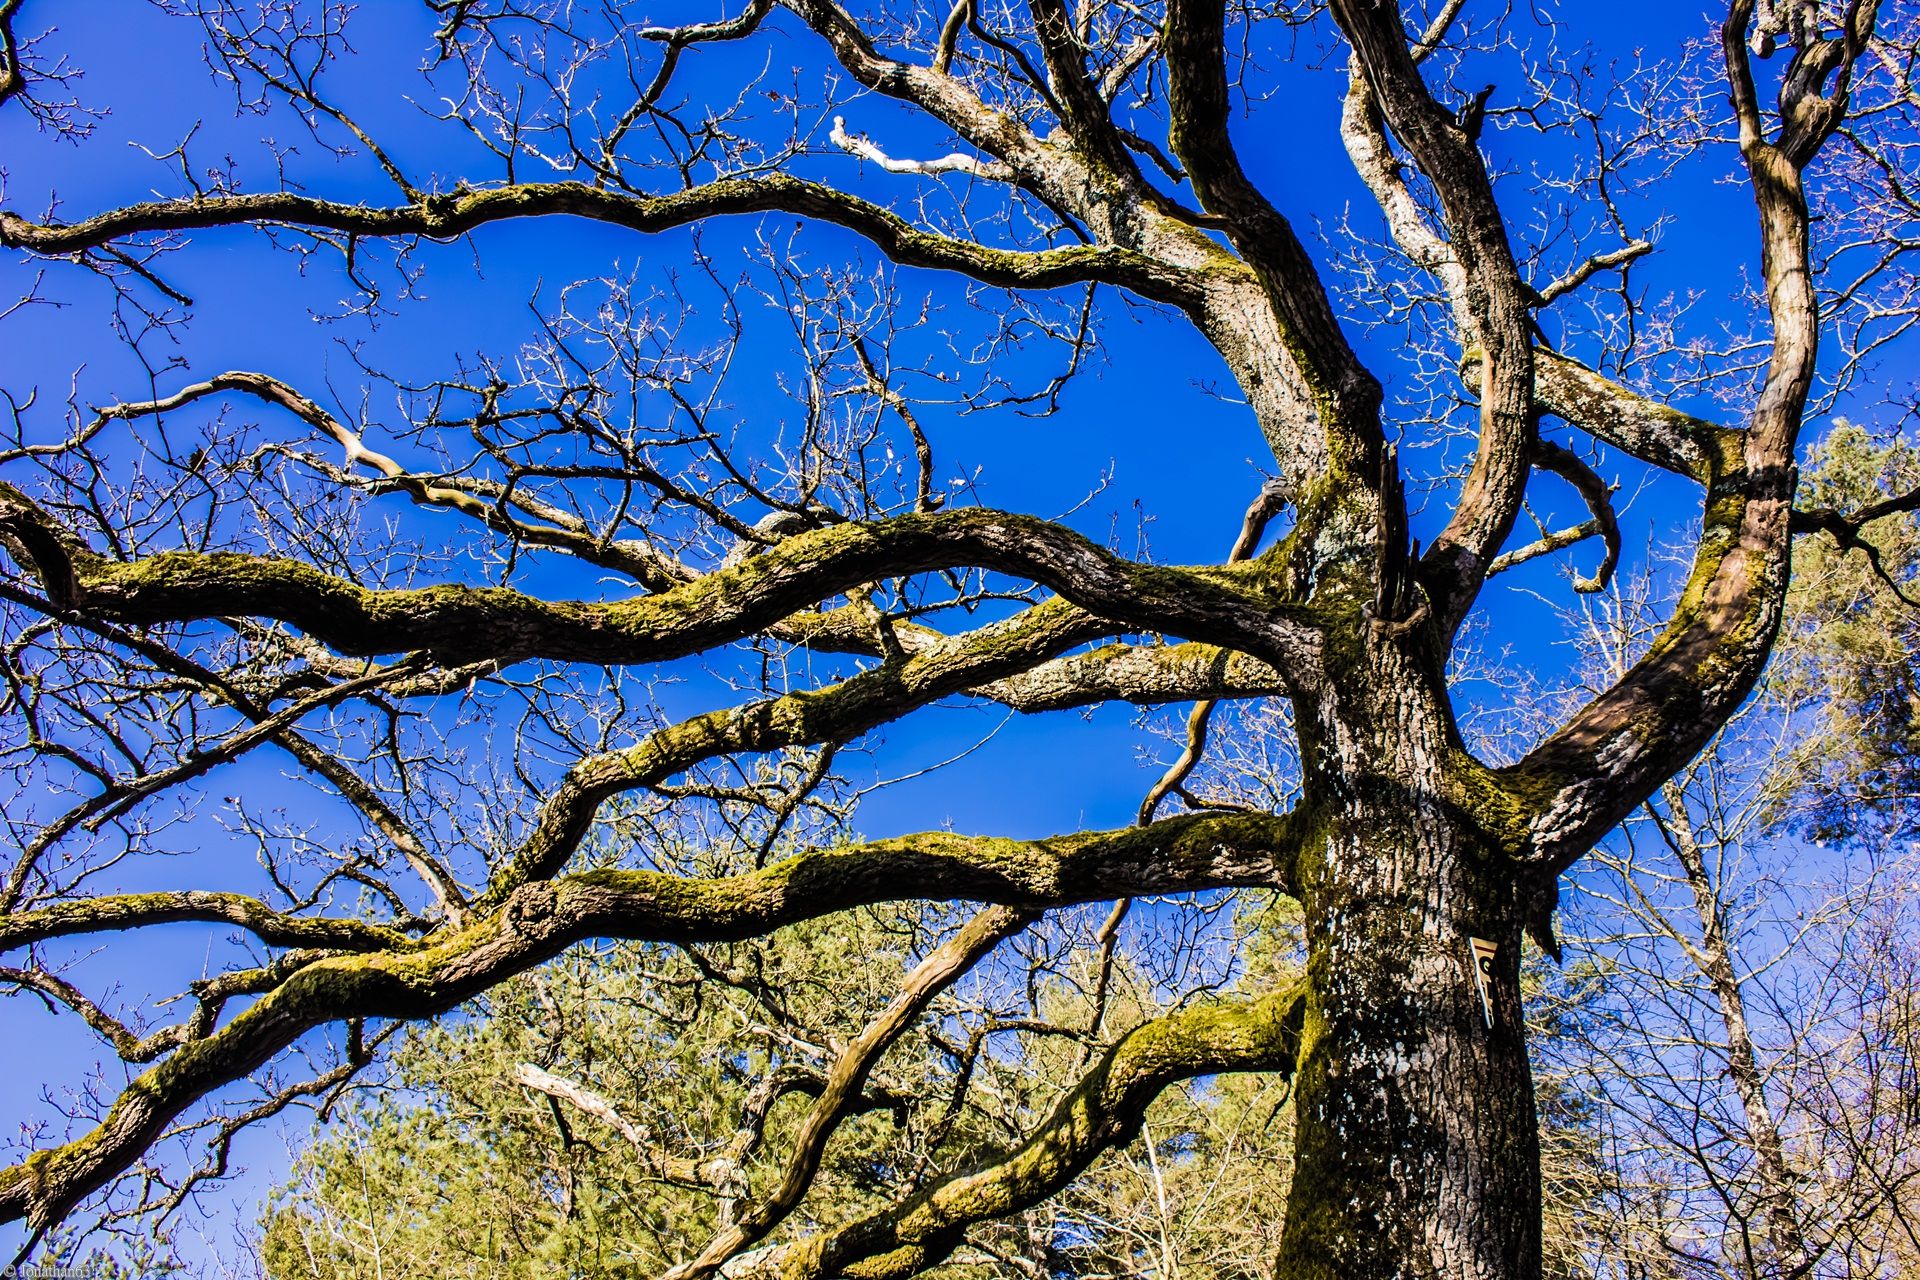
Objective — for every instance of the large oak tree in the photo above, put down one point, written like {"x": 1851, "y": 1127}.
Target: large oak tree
{"x": 171, "y": 614}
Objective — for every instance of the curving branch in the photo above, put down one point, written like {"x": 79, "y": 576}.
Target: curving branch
{"x": 1845, "y": 526}
{"x": 1128, "y": 673}
{"x": 1495, "y": 306}
{"x": 1628, "y": 421}
{"x": 451, "y": 215}
{"x": 130, "y": 1046}
{"x": 1103, "y": 1111}
{"x": 1545, "y": 545}
{"x": 1848, "y": 531}
{"x": 841, "y": 1089}
{"x": 1345, "y": 394}
{"x": 1597, "y": 494}
{"x": 117, "y": 912}
{"x": 1702, "y": 666}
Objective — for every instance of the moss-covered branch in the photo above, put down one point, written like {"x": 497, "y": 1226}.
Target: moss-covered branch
{"x": 1130, "y": 673}
{"x": 465, "y": 624}
{"x": 1008, "y": 659}
{"x": 1345, "y": 394}
{"x": 1617, "y": 749}
{"x": 1630, "y": 422}
{"x": 541, "y": 919}
{"x": 997, "y": 651}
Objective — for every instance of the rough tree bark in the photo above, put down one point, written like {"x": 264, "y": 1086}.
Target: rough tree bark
{"x": 1418, "y": 1150}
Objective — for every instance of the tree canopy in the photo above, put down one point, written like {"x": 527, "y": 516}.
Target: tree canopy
{"x": 402, "y": 672}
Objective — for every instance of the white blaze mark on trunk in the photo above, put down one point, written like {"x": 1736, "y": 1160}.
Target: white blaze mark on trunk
{"x": 1483, "y": 954}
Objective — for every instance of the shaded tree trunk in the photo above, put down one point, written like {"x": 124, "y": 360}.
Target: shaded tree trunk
{"x": 1418, "y": 1149}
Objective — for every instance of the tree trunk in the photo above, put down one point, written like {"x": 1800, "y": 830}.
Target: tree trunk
{"x": 1418, "y": 1153}
{"x": 1713, "y": 956}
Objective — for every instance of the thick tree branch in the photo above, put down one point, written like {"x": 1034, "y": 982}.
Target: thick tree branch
{"x": 1345, "y": 394}
{"x": 542, "y": 919}
{"x": 13, "y": 76}
{"x": 1084, "y": 110}
{"x": 458, "y": 624}
{"x": 1616, "y": 416}
{"x": 1492, "y": 298}
{"x": 1616, "y": 750}
{"x": 116, "y": 912}
{"x": 1146, "y": 675}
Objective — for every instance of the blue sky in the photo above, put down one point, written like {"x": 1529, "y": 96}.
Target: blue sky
{"x": 1142, "y": 417}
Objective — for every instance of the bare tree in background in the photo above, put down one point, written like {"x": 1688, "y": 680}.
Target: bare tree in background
{"x": 1756, "y": 1048}
{"x": 1751, "y": 937}
{"x": 169, "y": 614}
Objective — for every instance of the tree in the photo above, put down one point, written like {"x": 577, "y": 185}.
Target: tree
{"x": 1756, "y": 1036}
{"x": 170, "y": 615}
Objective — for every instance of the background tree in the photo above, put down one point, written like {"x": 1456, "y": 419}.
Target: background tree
{"x": 173, "y": 609}
{"x": 1752, "y": 938}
